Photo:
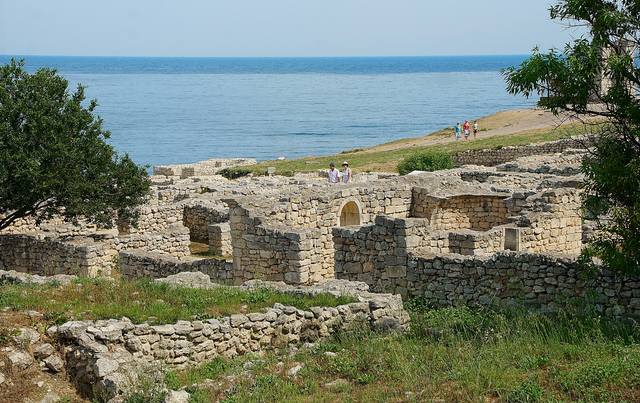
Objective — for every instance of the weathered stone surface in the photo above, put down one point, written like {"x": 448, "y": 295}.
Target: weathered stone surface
{"x": 54, "y": 363}
{"x": 43, "y": 350}
{"x": 19, "y": 359}
{"x": 175, "y": 396}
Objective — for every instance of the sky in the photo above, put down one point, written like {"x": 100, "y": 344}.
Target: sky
{"x": 276, "y": 27}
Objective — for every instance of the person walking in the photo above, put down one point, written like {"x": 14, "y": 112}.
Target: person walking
{"x": 475, "y": 129}
{"x": 466, "y": 127}
{"x": 334, "y": 174}
{"x": 458, "y": 131}
{"x": 346, "y": 172}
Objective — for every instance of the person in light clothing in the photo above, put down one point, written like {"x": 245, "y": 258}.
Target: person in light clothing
{"x": 346, "y": 172}
{"x": 334, "y": 174}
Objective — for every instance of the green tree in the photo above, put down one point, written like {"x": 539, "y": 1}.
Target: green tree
{"x": 597, "y": 74}
{"x": 54, "y": 159}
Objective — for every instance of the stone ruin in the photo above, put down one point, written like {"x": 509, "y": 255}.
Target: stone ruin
{"x": 504, "y": 232}
{"x": 384, "y": 230}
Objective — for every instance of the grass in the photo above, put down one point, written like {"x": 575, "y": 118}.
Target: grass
{"x": 451, "y": 354}
{"x": 387, "y": 161}
{"x": 145, "y": 300}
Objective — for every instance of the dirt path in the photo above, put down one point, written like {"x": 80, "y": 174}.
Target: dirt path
{"x": 499, "y": 124}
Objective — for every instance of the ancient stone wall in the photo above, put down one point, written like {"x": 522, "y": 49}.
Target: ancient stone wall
{"x": 274, "y": 253}
{"x": 157, "y": 217}
{"x": 551, "y": 222}
{"x": 220, "y": 239}
{"x": 50, "y": 256}
{"x": 201, "y": 168}
{"x": 539, "y": 281}
{"x": 174, "y": 242}
{"x": 476, "y": 212}
{"x": 291, "y": 239}
{"x": 497, "y": 156}
{"x": 86, "y": 256}
{"x": 100, "y": 354}
{"x": 198, "y": 217}
{"x": 140, "y": 263}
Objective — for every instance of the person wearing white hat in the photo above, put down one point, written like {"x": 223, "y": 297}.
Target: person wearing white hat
{"x": 346, "y": 172}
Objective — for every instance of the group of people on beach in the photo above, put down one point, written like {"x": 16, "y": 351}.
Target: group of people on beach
{"x": 336, "y": 176}
{"x": 466, "y": 129}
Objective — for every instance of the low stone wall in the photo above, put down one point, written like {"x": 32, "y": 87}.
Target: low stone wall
{"x": 140, "y": 263}
{"x": 510, "y": 278}
{"x": 497, "y": 156}
{"x": 50, "y": 256}
{"x": 85, "y": 256}
{"x": 102, "y": 355}
{"x": 201, "y": 168}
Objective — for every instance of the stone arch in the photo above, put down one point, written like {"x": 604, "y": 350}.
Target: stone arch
{"x": 350, "y": 214}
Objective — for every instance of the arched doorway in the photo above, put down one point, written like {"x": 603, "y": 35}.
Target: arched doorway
{"x": 350, "y": 214}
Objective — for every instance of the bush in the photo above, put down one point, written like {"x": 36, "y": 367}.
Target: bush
{"x": 426, "y": 161}
{"x": 234, "y": 173}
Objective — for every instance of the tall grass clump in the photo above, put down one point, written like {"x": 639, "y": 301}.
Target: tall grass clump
{"x": 431, "y": 160}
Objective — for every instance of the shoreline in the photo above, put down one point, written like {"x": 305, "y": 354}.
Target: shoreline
{"x": 510, "y": 127}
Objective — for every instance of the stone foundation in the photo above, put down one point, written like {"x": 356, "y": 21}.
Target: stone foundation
{"x": 100, "y": 354}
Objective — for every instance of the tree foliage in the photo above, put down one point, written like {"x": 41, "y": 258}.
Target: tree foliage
{"x": 570, "y": 80}
{"x": 54, "y": 158}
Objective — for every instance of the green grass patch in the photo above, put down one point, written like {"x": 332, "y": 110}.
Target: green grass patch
{"x": 451, "y": 354}
{"x": 145, "y": 300}
{"x": 430, "y": 160}
{"x": 367, "y": 160}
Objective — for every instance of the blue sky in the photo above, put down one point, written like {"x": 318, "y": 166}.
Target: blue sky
{"x": 276, "y": 27}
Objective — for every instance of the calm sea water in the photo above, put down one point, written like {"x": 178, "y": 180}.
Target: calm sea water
{"x": 170, "y": 110}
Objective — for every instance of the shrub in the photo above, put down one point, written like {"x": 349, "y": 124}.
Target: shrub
{"x": 234, "y": 173}
{"x": 426, "y": 161}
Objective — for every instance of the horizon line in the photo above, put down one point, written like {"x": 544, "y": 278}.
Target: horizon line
{"x": 265, "y": 57}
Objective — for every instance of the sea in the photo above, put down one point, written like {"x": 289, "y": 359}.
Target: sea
{"x": 164, "y": 110}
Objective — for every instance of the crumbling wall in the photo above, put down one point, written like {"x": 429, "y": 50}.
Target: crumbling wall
{"x": 274, "y": 253}
{"x": 497, "y": 156}
{"x": 100, "y": 355}
{"x": 140, "y": 263}
{"x": 510, "y": 278}
{"x": 201, "y": 168}
{"x": 84, "y": 256}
